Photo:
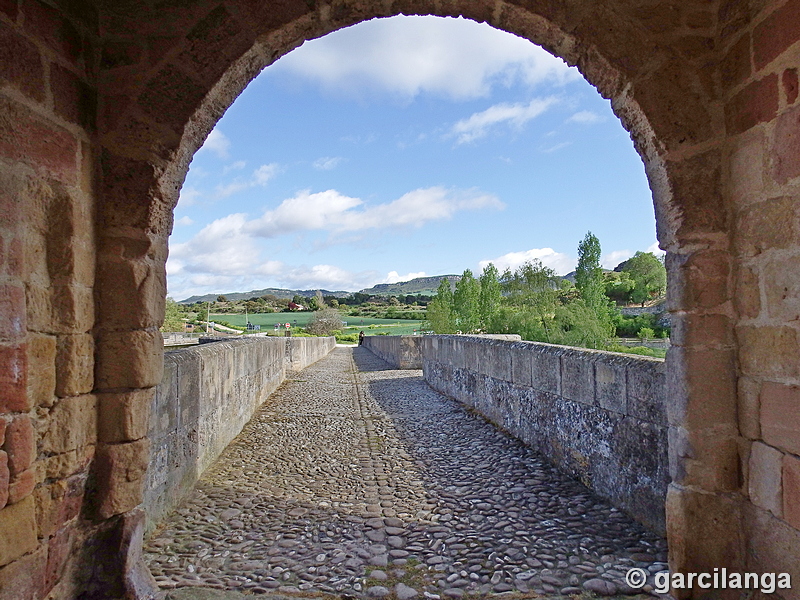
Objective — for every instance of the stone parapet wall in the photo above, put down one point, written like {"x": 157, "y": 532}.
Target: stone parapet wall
{"x": 206, "y": 397}
{"x": 599, "y": 416}
{"x": 400, "y": 351}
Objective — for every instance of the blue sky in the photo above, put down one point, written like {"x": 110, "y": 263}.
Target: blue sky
{"x": 404, "y": 147}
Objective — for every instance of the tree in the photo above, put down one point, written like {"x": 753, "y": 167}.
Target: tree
{"x": 221, "y": 298}
{"x": 490, "y": 295}
{"x": 440, "y": 310}
{"x": 589, "y": 274}
{"x": 324, "y": 322}
{"x": 648, "y": 274}
{"x": 534, "y": 290}
{"x": 172, "y": 317}
{"x": 466, "y": 303}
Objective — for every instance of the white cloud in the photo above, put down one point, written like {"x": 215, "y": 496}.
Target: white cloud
{"x": 184, "y": 221}
{"x": 234, "y": 166}
{"x": 189, "y": 197}
{"x": 261, "y": 176}
{"x": 395, "y": 277}
{"x": 517, "y": 115}
{"x": 612, "y": 259}
{"x": 338, "y": 213}
{"x": 585, "y": 117}
{"x": 327, "y": 163}
{"x": 217, "y": 143}
{"x": 560, "y": 263}
{"x": 556, "y": 147}
{"x": 408, "y": 55}
{"x": 654, "y": 248}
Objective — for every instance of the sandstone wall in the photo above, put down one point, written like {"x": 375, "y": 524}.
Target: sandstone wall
{"x": 207, "y": 396}
{"x": 597, "y": 415}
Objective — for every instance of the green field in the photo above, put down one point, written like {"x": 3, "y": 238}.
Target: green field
{"x": 300, "y": 319}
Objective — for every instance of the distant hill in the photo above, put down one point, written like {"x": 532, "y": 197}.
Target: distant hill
{"x": 277, "y": 292}
{"x": 419, "y": 285}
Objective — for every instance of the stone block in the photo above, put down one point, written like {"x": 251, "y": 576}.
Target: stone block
{"x": 20, "y": 444}
{"x": 12, "y": 312}
{"x": 38, "y": 305}
{"x": 121, "y": 470}
{"x": 747, "y": 167}
{"x": 768, "y": 351}
{"x": 58, "y": 503}
{"x": 764, "y": 478}
{"x": 73, "y": 99}
{"x": 610, "y": 384}
{"x": 704, "y": 529}
{"x": 776, "y": 33}
{"x": 786, "y": 146}
{"x": 791, "y": 490}
{"x": 748, "y": 293}
{"x": 735, "y": 65}
{"x": 59, "y": 548}
{"x": 646, "y": 391}
{"x": 171, "y": 96}
{"x": 701, "y": 330}
{"x": 546, "y": 369}
{"x": 767, "y": 226}
{"x": 700, "y": 282}
{"x": 21, "y": 486}
{"x": 129, "y": 359}
{"x": 782, "y": 288}
{"x": 13, "y": 378}
{"x": 749, "y": 408}
{"x": 496, "y": 360}
{"x": 521, "y": 365}
{"x": 697, "y": 188}
{"x": 73, "y": 308}
{"x": 72, "y": 425}
{"x": 50, "y": 25}
{"x": 707, "y": 379}
{"x": 577, "y": 377}
{"x": 23, "y": 579}
{"x": 5, "y": 478}
{"x": 29, "y": 138}
{"x": 17, "y": 530}
{"x": 791, "y": 85}
{"x": 66, "y": 464}
{"x": 780, "y": 415}
{"x": 74, "y": 364}
{"x": 21, "y": 64}
{"x": 756, "y": 103}
{"x": 773, "y": 546}
{"x": 125, "y": 416}
{"x": 41, "y": 360}
{"x": 139, "y": 280}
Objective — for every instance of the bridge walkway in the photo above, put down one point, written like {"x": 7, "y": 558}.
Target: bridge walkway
{"x": 359, "y": 480}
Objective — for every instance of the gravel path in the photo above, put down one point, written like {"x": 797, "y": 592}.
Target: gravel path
{"x": 360, "y": 480}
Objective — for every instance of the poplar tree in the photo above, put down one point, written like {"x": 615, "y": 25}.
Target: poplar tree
{"x": 490, "y": 296}
{"x": 466, "y": 302}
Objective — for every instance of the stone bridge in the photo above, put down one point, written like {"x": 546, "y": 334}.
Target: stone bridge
{"x": 102, "y": 106}
{"x": 361, "y": 480}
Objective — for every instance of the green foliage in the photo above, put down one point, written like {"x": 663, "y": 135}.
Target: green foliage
{"x": 630, "y": 326}
{"x": 324, "y": 322}
{"x": 638, "y": 350}
{"x": 619, "y": 286}
{"x": 589, "y": 274}
{"x": 645, "y": 333}
{"x": 441, "y": 317}
{"x": 172, "y": 317}
{"x": 649, "y": 276}
{"x": 491, "y": 294}
{"x": 466, "y": 303}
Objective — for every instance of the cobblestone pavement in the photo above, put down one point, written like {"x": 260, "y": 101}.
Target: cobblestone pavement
{"x": 359, "y": 480}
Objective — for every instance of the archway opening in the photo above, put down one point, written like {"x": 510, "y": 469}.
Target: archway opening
{"x": 225, "y": 250}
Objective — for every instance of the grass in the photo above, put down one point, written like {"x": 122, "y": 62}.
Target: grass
{"x": 300, "y": 319}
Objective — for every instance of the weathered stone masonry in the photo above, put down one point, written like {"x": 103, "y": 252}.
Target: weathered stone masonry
{"x": 102, "y": 105}
{"x": 207, "y": 396}
{"x": 598, "y": 416}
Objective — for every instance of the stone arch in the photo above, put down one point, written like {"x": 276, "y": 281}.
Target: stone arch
{"x": 102, "y": 106}
{"x": 670, "y": 111}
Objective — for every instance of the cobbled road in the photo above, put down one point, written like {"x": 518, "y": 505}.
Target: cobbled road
{"x": 359, "y": 480}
